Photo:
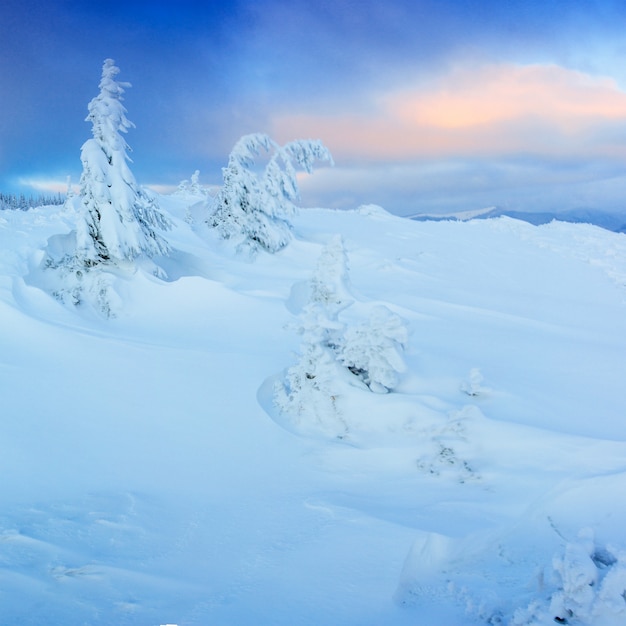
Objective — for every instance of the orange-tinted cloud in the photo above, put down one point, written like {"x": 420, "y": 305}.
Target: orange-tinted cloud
{"x": 507, "y": 92}
{"x": 496, "y": 109}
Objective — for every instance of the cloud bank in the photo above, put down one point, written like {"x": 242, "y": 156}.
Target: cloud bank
{"x": 534, "y": 137}
{"x": 488, "y": 111}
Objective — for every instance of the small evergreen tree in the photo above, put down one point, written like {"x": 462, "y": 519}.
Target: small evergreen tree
{"x": 120, "y": 219}
{"x": 310, "y": 390}
{"x": 330, "y": 283}
{"x": 192, "y": 187}
{"x": 329, "y": 295}
{"x": 255, "y": 208}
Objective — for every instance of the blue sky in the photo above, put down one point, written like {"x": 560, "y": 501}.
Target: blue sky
{"x": 426, "y": 105}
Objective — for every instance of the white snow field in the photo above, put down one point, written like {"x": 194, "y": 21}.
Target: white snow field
{"x": 148, "y": 477}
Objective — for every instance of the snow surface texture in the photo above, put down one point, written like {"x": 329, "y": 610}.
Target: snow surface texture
{"x": 150, "y": 478}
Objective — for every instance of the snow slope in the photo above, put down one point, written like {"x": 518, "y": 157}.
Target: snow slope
{"x": 149, "y": 479}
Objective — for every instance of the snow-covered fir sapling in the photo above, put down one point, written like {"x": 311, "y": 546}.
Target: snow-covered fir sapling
{"x": 309, "y": 391}
{"x": 192, "y": 187}
{"x": 254, "y": 208}
{"x": 330, "y": 283}
{"x": 329, "y": 295}
{"x": 120, "y": 221}
{"x": 473, "y": 385}
{"x": 310, "y": 386}
{"x": 69, "y": 193}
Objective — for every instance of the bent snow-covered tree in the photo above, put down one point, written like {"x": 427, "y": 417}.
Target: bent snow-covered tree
{"x": 121, "y": 221}
{"x": 255, "y": 208}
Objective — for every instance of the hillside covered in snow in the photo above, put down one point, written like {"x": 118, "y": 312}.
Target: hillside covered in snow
{"x": 159, "y": 466}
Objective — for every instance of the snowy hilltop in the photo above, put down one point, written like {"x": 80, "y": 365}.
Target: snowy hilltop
{"x": 220, "y": 409}
{"x": 614, "y": 221}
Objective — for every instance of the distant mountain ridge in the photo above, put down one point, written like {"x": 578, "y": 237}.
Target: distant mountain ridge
{"x": 615, "y": 222}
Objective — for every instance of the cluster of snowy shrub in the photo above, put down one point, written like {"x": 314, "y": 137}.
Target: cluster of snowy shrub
{"x": 366, "y": 353}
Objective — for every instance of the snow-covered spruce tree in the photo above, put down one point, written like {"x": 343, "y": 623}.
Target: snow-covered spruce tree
{"x": 241, "y": 194}
{"x": 330, "y": 283}
{"x": 309, "y": 391}
{"x": 329, "y": 294}
{"x": 254, "y": 208}
{"x": 120, "y": 220}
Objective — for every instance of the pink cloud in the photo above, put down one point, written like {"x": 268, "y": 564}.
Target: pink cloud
{"x": 507, "y": 92}
{"x": 495, "y": 109}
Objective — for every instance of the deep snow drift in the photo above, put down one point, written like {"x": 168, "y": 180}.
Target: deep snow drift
{"x": 149, "y": 478}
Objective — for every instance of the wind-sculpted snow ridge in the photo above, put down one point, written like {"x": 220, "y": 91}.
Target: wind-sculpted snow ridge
{"x": 151, "y": 478}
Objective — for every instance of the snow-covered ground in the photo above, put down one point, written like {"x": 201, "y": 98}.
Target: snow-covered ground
{"x": 148, "y": 478}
